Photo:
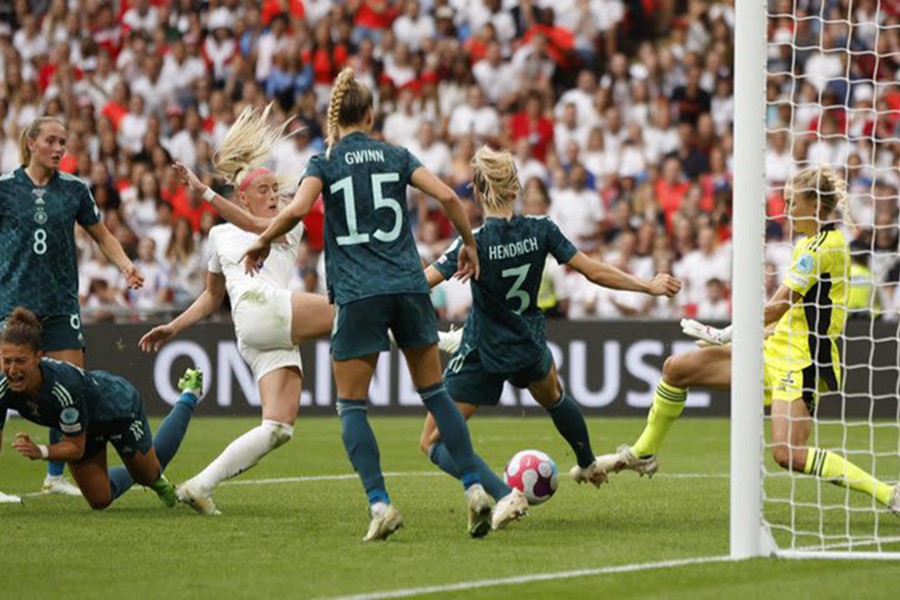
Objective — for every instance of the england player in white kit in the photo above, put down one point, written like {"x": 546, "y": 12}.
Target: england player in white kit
{"x": 270, "y": 321}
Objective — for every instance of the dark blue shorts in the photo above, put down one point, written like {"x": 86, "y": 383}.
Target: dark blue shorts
{"x": 128, "y": 436}
{"x": 361, "y": 327}
{"x": 60, "y": 332}
{"x": 467, "y": 380}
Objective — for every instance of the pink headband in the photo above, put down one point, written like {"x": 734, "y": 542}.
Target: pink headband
{"x": 253, "y": 175}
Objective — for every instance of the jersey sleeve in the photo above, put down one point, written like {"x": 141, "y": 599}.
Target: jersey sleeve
{"x": 69, "y": 408}
{"x": 88, "y": 213}
{"x": 314, "y": 168}
{"x": 412, "y": 163}
{"x": 804, "y": 270}
{"x": 447, "y": 263}
{"x": 213, "y": 265}
{"x": 558, "y": 244}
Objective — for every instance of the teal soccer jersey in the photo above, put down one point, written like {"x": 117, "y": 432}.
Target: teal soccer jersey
{"x": 369, "y": 248}
{"x": 506, "y": 326}
{"x": 39, "y": 268}
{"x": 73, "y": 400}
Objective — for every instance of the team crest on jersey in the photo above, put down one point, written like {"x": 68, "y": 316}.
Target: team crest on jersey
{"x": 40, "y": 217}
{"x": 68, "y": 416}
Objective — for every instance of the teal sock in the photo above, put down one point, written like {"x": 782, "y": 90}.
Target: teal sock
{"x": 454, "y": 433}
{"x": 362, "y": 448}
{"x": 493, "y": 485}
{"x": 55, "y": 468}
{"x": 167, "y": 441}
{"x": 570, "y": 424}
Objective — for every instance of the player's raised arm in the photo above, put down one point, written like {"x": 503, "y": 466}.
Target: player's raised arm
{"x": 608, "y": 276}
{"x": 229, "y": 210}
{"x": 425, "y": 181}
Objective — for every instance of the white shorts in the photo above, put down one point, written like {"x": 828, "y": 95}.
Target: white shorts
{"x": 262, "y": 323}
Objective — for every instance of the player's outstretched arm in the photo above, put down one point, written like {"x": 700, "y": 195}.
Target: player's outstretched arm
{"x": 202, "y": 307}
{"x": 69, "y": 449}
{"x": 113, "y": 250}
{"x": 230, "y": 211}
{"x": 428, "y": 183}
{"x": 284, "y": 221}
{"x": 608, "y": 276}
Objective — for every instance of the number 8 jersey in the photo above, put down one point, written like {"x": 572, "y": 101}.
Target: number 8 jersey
{"x": 369, "y": 248}
{"x": 39, "y": 266}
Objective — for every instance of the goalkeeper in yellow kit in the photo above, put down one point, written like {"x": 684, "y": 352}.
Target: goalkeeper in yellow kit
{"x": 801, "y": 355}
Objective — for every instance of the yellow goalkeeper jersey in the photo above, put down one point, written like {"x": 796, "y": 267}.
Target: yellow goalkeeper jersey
{"x": 806, "y": 338}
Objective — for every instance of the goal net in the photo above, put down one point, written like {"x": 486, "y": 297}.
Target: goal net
{"x": 832, "y": 97}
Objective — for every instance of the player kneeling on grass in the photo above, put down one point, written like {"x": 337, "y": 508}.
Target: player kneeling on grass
{"x": 91, "y": 408}
{"x": 503, "y": 339}
{"x": 801, "y": 356}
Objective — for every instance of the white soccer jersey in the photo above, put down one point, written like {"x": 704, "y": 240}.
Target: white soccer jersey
{"x": 228, "y": 243}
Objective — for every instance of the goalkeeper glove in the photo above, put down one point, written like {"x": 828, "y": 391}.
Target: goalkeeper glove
{"x": 706, "y": 335}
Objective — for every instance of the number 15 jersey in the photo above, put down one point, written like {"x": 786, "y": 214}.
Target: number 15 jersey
{"x": 38, "y": 262}
{"x": 369, "y": 248}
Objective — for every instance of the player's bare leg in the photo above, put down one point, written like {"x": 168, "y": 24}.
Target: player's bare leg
{"x": 279, "y": 392}
{"x": 708, "y": 367}
{"x": 312, "y": 317}
{"x": 146, "y": 470}
{"x": 791, "y": 428}
{"x": 55, "y": 481}
{"x": 92, "y": 477}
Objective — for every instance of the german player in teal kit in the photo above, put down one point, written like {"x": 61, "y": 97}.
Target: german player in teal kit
{"x": 503, "y": 339}
{"x": 376, "y": 282}
{"x": 39, "y": 207}
{"x": 91, "y": 408}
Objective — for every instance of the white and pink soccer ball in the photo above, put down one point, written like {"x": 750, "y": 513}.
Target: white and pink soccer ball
{"x": 534, "y": 474}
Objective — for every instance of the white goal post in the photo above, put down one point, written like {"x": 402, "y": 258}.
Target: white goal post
{"x": 784, "y": 513}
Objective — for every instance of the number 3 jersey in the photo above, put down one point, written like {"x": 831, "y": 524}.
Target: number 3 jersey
{"x": 39, "y": 266}
{"x": 369, "y": 248}
{"x": 506, "y": 326}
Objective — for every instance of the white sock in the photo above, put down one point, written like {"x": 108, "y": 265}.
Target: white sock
{"x": 243, "y": 453}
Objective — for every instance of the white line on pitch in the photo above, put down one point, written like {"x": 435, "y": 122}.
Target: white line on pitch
{"x": 518, "y": 580}
{"x": 314, "y": 478}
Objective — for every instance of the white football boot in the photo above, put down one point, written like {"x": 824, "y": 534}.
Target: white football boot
{"x": 197, "y": 498}
{"x": 509, "y": 508}
{"x": 592, "y": 474}
{"x": 385, "y": 521}
{"x": 9, "y": 499}
{"x": 59, "y": 485}
{"x": 624, "y": 459}
{"x": 449, "y": 341}
{"x": 479, "y": 511}
{"x": 894, "y": 506}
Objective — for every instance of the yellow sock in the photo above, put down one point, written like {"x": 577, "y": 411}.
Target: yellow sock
{"x": 844, "y": 473}
{"x": 668, "y": 403}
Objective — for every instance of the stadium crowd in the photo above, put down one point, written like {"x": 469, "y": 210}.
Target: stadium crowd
{"x": 619, "y": 114}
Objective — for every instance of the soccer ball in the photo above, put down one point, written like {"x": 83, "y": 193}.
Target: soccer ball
{"x": 534, "y": 474}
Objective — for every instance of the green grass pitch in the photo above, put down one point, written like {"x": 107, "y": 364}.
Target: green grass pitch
{"x": 301, "y": 539}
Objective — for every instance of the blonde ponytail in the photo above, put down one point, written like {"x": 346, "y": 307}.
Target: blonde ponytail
{"x": 494, "y": 174}
{"x": 350, "y": 101}
{"x": 248, "y": 144}
{"x": 829, "y": 188}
